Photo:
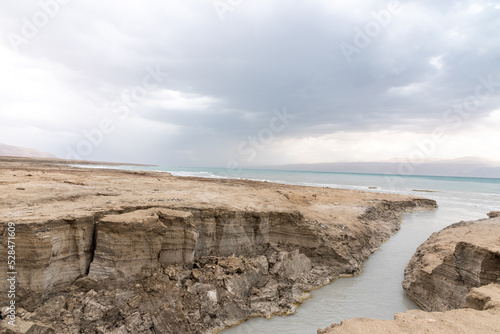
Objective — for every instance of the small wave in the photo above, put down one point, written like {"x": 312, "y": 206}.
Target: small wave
{"x": 99, "y": 166}
{"x": 425, "y": 191}
{"x": 196, "y": 174}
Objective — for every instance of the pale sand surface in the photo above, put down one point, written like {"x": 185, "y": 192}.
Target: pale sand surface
{"x": 35, "y": 190}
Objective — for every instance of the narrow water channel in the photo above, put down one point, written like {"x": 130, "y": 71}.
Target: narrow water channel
{"x": 377, "y": 291}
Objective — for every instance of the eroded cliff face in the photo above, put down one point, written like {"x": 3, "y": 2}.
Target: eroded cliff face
{"x": 177, "y": 263}
{"x": 125, "y": 243}
{"x": 452, "y": 262}
{"x": 49, "y": 257}
{"x": 99, "y": 256}
{"x": 151, "y": 268}
{"x": 52, "y": 255}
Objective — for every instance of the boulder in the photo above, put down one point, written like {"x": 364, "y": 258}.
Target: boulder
{"x": 291, "y": 265}
{"x": 451, "y": 262}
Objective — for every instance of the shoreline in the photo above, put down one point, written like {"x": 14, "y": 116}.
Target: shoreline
{"x": 83, "y": 163}
{"x": 257, "y": 229}
{"x": 55, "y": 161}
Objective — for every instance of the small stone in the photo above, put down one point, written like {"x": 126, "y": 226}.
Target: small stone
{"x": 134, "y": 302}
{"x": 494, "y": 214}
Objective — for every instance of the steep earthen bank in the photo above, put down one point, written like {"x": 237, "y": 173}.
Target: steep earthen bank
{"x": 134, "y": 252}
{"x": 452, "y": 262}
{"x": 457, "y": 270}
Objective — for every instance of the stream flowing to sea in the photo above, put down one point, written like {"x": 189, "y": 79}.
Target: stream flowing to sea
{"x": 377, "y": 291}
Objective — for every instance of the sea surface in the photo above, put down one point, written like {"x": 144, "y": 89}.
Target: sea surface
{"x": 377, "y": 291}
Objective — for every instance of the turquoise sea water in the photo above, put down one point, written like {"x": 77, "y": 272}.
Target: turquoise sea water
{"x": 376, "y": 292}
{"x": 471, "y": 192}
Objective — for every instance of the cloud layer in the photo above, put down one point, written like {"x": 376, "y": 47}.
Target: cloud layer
{"x": 199, "y": 83}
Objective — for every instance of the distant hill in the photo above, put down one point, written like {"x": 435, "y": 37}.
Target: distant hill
{"x": 465, "y": 167}
{"x": 17, "y": 151}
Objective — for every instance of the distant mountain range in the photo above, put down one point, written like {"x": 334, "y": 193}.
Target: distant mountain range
{"x": 17, "y": 151}
{"x": 464, "y": 167}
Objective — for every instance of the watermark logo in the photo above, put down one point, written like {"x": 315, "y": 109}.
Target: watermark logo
{"x": 453, "y": 119}
{"x": 363, "y": 37}
{"x": 31, "y": 26}
{"x": 224, "y": 6}
{"x": 11, "y": 274}
{"x": 127, "y": 101}
{"x": 249, "y": 148}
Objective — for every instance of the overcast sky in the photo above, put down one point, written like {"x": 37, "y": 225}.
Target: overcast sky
{"x": 251, "y": 82}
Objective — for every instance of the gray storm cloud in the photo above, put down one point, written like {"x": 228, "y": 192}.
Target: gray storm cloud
{"x": 365, "y": 66}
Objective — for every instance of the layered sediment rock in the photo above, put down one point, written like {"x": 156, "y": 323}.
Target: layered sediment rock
{"x": 49, "y": 256}
{"x": 452, "y": 262}
{"x": 125, "y": 243}
{"x": 161, "y": 254}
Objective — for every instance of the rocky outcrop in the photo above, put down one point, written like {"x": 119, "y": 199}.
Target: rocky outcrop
{"x": 485, "y": 297}
{"x": 125, "y": 243}
{"x": 118, "y": 246}
{"x": 177, "y": 263}
{"x": 49, "y": 257}
{"x": 452, "y": 262}
{"x": 218, "y": 292}
{"x": 494, "y": 214}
